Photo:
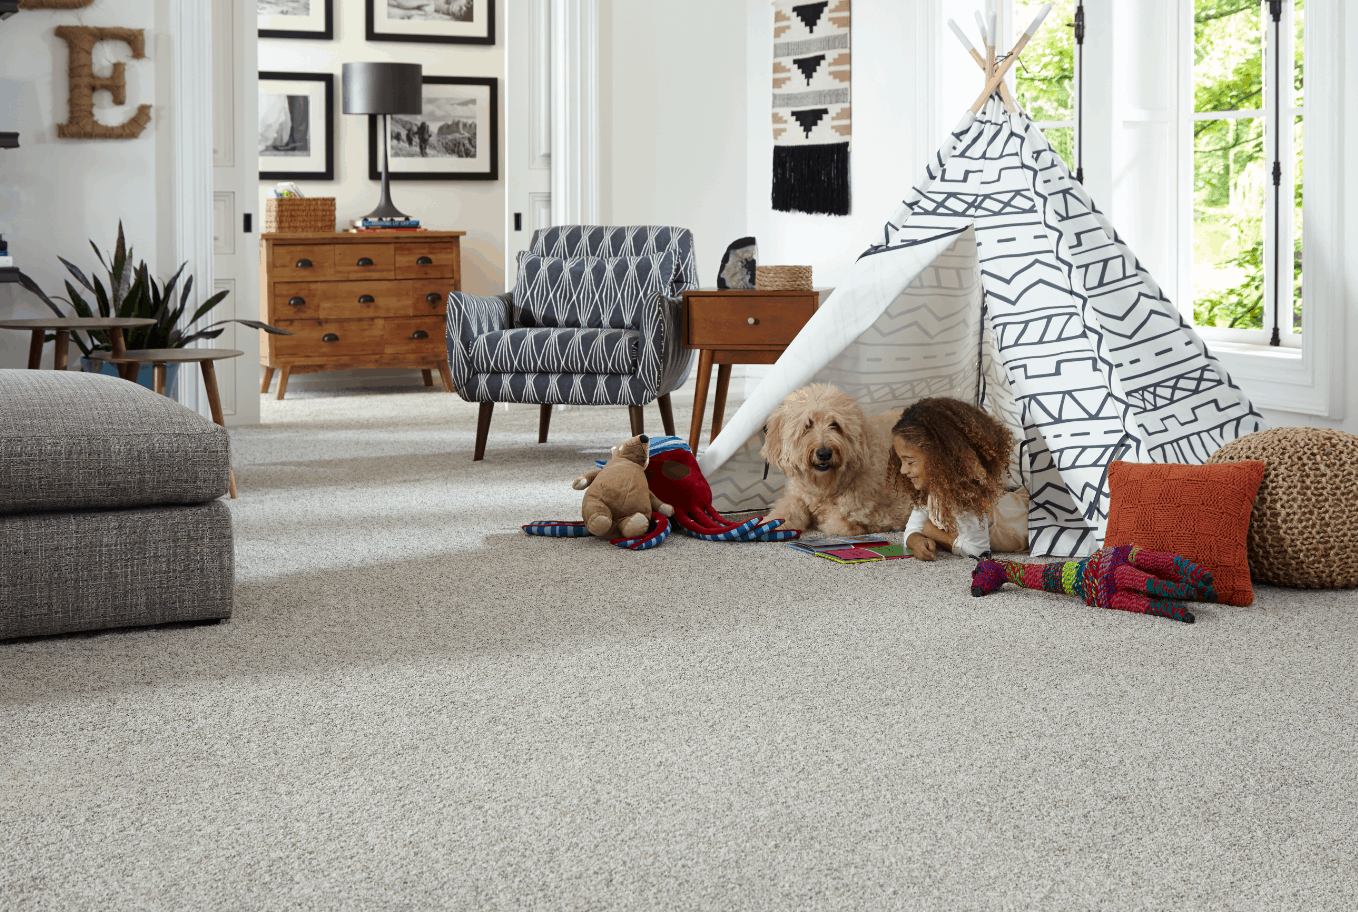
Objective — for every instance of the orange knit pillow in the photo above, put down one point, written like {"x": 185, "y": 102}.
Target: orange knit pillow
{"x": 1201, "y": 512}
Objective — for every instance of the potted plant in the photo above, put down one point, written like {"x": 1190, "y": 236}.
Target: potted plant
{"x": 134, "y": 292}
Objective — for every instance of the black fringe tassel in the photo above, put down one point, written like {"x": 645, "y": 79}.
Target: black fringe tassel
{"x": 811, "y": 179}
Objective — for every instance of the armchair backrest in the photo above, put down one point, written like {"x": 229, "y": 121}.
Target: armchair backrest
{"x": 622, "y": 240}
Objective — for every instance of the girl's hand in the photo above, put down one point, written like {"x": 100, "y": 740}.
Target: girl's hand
{"x": 922, "y": 545}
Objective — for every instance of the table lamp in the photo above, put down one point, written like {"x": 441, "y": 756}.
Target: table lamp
{"x": 383, "y": 88}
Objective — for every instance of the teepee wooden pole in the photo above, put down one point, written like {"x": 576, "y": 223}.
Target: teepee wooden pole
{"x": 998, "y": 77}
{"x": 1009, "y": 102}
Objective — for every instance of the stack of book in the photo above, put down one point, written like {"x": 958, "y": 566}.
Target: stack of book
{"x": 385, "y": 224}
{"x": 852, "y": 549}
{"x": 6, "y": 261}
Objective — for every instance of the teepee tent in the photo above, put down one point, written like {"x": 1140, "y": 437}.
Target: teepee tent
{"x": 997, "y": 281}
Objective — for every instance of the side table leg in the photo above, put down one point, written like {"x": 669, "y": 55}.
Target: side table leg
{"x": 215, "y": 403}
{"x": 60, "y": 351}
{"x": 35, "y": 349}
{"x": 158, "y": 378}
{"x": 700, "y": 399}
{"x": 719, "y": 406}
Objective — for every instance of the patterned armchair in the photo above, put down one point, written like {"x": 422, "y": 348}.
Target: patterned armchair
{"x": 592, "y": 320}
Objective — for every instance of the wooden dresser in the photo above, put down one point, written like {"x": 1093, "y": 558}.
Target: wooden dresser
{"x": 357, "y": 300}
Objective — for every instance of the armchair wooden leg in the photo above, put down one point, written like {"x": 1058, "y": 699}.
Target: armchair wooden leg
{"x": 544, "y": 421}
{"x": 666, "y": 414}
{"x": 638, "y": 426}
{"x": 482, "y": 429}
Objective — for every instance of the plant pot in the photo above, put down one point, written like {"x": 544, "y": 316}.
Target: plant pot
{"x": 144, "y": 375}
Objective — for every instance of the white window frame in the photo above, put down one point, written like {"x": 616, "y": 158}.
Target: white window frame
{"x": 1297, "y": 375}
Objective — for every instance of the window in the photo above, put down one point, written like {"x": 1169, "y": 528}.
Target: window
{"x": 1045, "y": 77}
{"x": 1245, "y": 265}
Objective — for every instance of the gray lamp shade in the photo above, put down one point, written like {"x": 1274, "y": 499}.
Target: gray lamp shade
{"x": 383, "y": 88}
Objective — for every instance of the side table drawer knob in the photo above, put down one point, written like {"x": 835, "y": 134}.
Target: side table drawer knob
{"x": 329, "y": 337}
{"x": 433, "y": 297}
{"x": 424, "y": 261}
{"x": 366, "y": 299}
{"x": 365, "y": 261}
{"x": 752, "y": 321}
{"x": 303, "y": 264}
{"x": 419, "y": 334}
{"x": 297, "y": 301}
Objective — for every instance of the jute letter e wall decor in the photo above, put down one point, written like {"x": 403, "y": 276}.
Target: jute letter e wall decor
{"x": 811, "y": 123}
{"x": 80, "y": 122}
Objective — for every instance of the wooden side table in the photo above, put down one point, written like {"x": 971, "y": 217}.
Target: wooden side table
{"x": 132, "y": 360}
{"x": 64, "y": 326}
{"x": 738, "y": 327}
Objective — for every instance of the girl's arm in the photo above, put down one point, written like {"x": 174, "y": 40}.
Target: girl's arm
{"x": 972, "y": 538}
{"x": 915, "y": 538}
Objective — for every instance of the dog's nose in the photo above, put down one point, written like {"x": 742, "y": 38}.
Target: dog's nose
{"x": 823, "y": 454}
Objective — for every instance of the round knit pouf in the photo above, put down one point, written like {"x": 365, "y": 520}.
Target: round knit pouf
{"x": 1304, "y": 527}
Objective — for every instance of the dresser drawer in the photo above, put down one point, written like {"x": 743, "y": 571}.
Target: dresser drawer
{"x": 415, "y": 334}
{"x": 312, "y": 338}
{"x": 363, "y": 299}
{"x": 302, "y": 262}
{"x": 295, "y": 301}
{"x": 364, "y": 261}
{"x": 745, "y": 320}
{"x": 430, "y": 296}
{"x": 427, "y": 260}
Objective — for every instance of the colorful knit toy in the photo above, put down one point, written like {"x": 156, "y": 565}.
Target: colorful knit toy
{"x": 1126, "y": 578}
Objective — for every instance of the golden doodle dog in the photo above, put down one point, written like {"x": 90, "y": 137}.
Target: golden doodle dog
{"x": 835, "y": 461}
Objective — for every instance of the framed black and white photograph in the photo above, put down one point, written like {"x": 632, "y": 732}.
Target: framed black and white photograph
{"x": 296, "y": 18}
{"x": 455, "y": 138}
{"x": 296, "y": 126}
{"x": 446, "y": 21}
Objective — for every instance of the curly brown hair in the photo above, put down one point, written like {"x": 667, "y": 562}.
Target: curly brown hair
{"x": 966, "y": 452}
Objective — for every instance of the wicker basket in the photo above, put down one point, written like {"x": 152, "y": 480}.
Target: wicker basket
{"x": 299, "y": 215}
{"x": 782, "y": 278}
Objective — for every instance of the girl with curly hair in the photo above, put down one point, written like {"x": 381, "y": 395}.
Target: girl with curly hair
{"x": 951, "y": 460}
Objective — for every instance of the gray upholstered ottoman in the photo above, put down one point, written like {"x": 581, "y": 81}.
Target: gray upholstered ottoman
{"x": 109, "y": 510}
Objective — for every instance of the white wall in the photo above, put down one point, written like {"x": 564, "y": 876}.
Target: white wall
{"x": 57, "y": 194}
{"x": 673, "y": 120}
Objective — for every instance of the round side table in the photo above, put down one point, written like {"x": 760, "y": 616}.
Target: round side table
{"x": 64, "y": 326}
{"x": 159, "y": 357}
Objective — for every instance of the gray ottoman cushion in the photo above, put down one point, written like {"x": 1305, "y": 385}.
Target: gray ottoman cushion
{"x": 61, "y": 572}
{"x": 71, "y": 441}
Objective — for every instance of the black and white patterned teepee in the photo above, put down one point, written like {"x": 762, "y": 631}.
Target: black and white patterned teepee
{"x": 998, "y": 282}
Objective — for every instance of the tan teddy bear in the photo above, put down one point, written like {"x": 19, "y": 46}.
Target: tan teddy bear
{"x": 618, "y": 501}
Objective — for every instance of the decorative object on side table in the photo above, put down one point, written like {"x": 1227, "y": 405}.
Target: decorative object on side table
{"x": 783, "y": 278}
{"x": 386, "y": 89}
{"x": 738, "y": 327}
{"x": 296, "y": 126}
{"x": 811, "y": 106}
{"x": 454, "y": 137}
{"x": 133, "y": 292}
{"x": 296, "y": 19}
{"x": 442, "y": 21}
{"x": 299, "y": 215}
{"x": 738, "y": 265}
{"x": 374, "y": 299}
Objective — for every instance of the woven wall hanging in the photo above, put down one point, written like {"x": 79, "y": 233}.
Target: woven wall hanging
{"x": 811, "y": 124}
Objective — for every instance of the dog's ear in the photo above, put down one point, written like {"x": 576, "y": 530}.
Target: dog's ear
{"x": 773, "y": 449}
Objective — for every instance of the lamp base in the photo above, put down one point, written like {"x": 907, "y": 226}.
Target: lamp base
{"x": 385, "y": 208}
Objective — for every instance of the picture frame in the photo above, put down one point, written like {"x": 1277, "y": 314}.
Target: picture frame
{"x": 296, "y": 126}
{"x": 431, "y": 21}
{"x": 461, "y": 136}
{"x": 296, "y": 18}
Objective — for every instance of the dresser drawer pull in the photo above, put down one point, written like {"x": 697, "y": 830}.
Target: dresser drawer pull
{"x": 297, "y": 301}
{"x": 433, "y": 297}
{"x": 752, "y": 321}
{"x": 419, "y": 334}
{"x": 365, "y": 261}
{"x": 303, "y": 264}
{"x": 424, "y": 261}
{"x": 366, "y": 299}
{"x": 329, "y": 337}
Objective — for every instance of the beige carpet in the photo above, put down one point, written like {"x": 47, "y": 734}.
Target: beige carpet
{"x": 418, "y": 707}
